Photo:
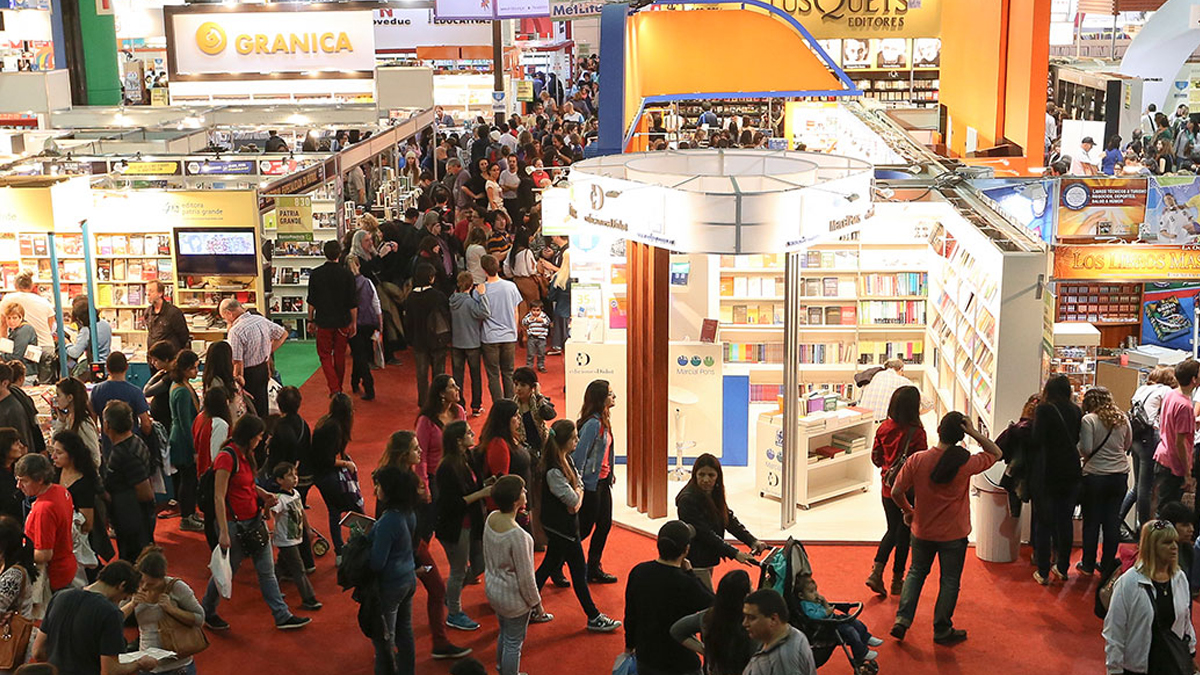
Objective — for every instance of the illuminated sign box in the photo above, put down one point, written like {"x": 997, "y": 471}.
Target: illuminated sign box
{"x": 275, "y": 41}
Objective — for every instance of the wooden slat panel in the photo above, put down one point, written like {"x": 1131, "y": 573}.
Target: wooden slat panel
{"x": 655, "y": 395}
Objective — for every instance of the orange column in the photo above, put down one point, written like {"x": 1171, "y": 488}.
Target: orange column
{"x": 647, "y": 354}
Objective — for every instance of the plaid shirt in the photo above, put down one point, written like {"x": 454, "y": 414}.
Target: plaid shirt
{"x": 251, "y": 336}
{"x": 878, "y": 394}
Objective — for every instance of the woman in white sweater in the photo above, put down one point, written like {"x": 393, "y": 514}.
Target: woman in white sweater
{"x": 1104, "y": 438}
{"x": 1150, "y": 609}
{"x": 508, "y": 564}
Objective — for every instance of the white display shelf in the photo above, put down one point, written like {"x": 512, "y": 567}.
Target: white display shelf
{"x": 826, "y": 478}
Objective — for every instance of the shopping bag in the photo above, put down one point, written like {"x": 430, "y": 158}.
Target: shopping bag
{"x": 626, "y": 664}
{"x": 222, "y": 571}
{"x": 84, "y": 555}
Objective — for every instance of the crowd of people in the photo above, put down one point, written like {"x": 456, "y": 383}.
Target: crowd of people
{"x": 1161, "y": 146}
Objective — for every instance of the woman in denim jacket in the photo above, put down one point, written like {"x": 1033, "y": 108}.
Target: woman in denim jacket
{"x": 594, "y": 457}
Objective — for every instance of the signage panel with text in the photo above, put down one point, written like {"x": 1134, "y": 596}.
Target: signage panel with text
{"x": 269, "y": 41}
{"x": 1126, "y": 262}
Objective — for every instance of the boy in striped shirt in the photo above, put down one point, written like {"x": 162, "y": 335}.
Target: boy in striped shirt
{"x": 537, "y": 328}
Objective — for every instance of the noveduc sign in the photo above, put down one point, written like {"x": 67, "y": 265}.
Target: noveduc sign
{"x": 1126, "y": 262}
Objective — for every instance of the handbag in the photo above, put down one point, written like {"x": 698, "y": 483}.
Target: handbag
{"x": 252, "y": 535}
{"x": 175, "y": 636}
{"x": 145, "y": 491}
{"x": 15, "y": 631}
{"x": 350, "y": 490}
{"x": 889, "y": 477}
{"x": 1176, "y": 656}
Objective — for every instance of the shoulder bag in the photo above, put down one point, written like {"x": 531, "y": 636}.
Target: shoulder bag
{"x": 175, "y": 636}
{"x": 15, "y": 631}
{"x": 1175, "y": 657}
{"x": 889, "y": 476}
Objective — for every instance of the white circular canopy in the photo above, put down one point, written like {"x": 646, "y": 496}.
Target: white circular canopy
{"x": 715, "y": 201}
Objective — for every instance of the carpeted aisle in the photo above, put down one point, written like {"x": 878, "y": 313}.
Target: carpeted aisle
{"x": 1015, "y": 626}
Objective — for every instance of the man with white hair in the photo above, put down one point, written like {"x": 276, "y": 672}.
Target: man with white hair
{"x": 253, "y": 338}
{"x": 878, "y": 393}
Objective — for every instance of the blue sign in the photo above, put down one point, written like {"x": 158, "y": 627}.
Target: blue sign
{"x": 239, "y": 167}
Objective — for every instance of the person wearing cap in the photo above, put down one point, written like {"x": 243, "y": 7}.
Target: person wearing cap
{"x": 659, "y": 593}
{"x": 1085, "y": 162}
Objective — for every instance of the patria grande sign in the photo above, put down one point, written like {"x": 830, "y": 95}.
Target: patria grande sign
{"x": 213, "y": 42}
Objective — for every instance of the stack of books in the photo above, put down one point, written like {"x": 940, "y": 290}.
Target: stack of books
{"x": 849, "y": 442}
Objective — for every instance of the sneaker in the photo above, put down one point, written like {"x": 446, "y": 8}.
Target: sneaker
{"x": 1037, "y": 576}
{"x": 293, "y": 622}
{"x": 871, "y": 655}
{"x": 544, "y": 617}
{"x": 460, "y": 621}
{"x": 191, "y": 524}
{"x": 874, "y": 641}
{"x": 214, "y": 622}
{"x": 450, "y": 651}
{"x": 1061, "y": 576}
{"x": 952, "y": 636}
{"x": 602, "y": 624}
{"x": 1083, "y": 569}
{"x": 554, "y": 352}
{"x": 476, "y": 412}
{"x": 311, "y": 605}
{"x": 561, "y": 581}
{"x": 898, "y": 631}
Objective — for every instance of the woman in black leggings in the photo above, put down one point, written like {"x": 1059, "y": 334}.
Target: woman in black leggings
{"x": 899, "y": 436}
{"x": 594, "y": 457}
{"x": 561, "y": 498}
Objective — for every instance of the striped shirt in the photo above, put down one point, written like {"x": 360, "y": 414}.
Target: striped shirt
{"x": 536, "y": 325}
{"x": 251, "y": 336}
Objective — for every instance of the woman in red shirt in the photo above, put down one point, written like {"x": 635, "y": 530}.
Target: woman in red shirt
{"x": 504, "y": 455}
{"x": 240, "y": 527}
{"x": 900, "y": 435}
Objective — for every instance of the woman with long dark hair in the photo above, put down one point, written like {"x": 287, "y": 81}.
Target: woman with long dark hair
{"x": 80, "y": 476}
{"x": 724, "y": 642}
{"x": 459, "y": 517}
{"x": 218, "y": 372}
{"x": 898, "y": 437}
{"x": 330, "y": 438}
{"x": 701, "y": 503}
{"x": 405, "y": 453}
{"x": 595, "y": 459}
{"x": 392, "y": 562}
{"x": 441, "y": 408}
{"x": 240, "y": 528}
{"x": 940, "y": 516}
{"x": 503, "y": 453}
{"x": 72, "y": 412}
{"x": 562, "y": 495}
{"x": 1055, "y": 478}
{"x": 184, "y": 405}
{"x": 12, "y": 448}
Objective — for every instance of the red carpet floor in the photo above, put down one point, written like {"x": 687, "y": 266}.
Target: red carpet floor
{"x": 1015, "y": 626}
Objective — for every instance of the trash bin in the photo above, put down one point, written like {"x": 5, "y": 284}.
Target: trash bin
{"x": 997, "y": 533}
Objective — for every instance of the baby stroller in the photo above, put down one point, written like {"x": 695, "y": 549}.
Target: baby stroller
{"x": 780, "y": 570}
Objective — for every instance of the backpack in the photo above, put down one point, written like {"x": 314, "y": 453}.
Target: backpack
{"x": 354, "y": 572}
{"x": 206, "y": 492}
{"x": 1139, "y": 418}
{"x": 439, "y": 329}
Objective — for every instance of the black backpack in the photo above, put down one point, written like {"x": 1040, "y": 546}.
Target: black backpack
{"x": 1139, "y": 418}
{"x": 354, "y": 572}
{"x": 206, "y": 492}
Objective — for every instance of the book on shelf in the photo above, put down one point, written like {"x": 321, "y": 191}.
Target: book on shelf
{"x": 726, "y": 289}
{"x": 118, "y": 295}
{"x": 103, "y": 245}
{"x": 136, "y": 295}
{"x": 25, "y": 245}
{"x": 708, "y": 331}
{"x": 829, "y": 287}
{"x": 120, "y": 244}
{"x": 103, "y": 270}
{"x": 40, "y": 247}
{"x": 888, "y": 312}
{"x": 118, "y": 269}
{"x": 69, "y": 244}
{"x": 104, "y": 295}
{"x": 815, "y": 316}
{"x": 877, "y": 352}
{"x": 134, "y": 270}
{"x": 137, "y": 245}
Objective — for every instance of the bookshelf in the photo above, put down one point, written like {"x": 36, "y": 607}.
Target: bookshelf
{"x": 293, "y": 261}
{"x": 984, "y": 310}
{"x": 863, "y": 302}
{"x": 21, "y": 251}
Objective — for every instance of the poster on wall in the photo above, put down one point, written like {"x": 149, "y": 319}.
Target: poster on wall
{"x": 1169, "y": 314}
{"x": 889, "y": 53}
{"x": 1030, "y": 202}
{"x": 927, "y": 53}
{"x": 1173, "y": 210}
{"x": 856, "y": 54}
{"x": 1092, "y": 208}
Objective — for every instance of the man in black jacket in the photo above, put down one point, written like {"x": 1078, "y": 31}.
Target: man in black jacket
{"x": 427, "y": 328}
{"x": 333, "y": 306}
{"x": 164, "y": 321}
{"x": 657, "y": 594}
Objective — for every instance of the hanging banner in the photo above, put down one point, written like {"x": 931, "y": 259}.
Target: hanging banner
{"x": 1169, "y": 314}
{"x": 1173, "y": 210}
{"x": 240, "y": 167}
{"x": 569, "y": 10}
{"x": 1092, "y": 208}
{"x": 525, "y": 91}
{"x": 150, "y": 169}
{"x": 1126, "y": 262}
{"x": 404, "y": 30}
{"x": 293, "y": 218}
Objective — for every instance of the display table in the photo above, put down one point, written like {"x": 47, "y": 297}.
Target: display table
{"x": 818, "y": 478}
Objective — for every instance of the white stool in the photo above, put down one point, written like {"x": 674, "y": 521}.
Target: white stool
{"x": 680, "y": 398}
